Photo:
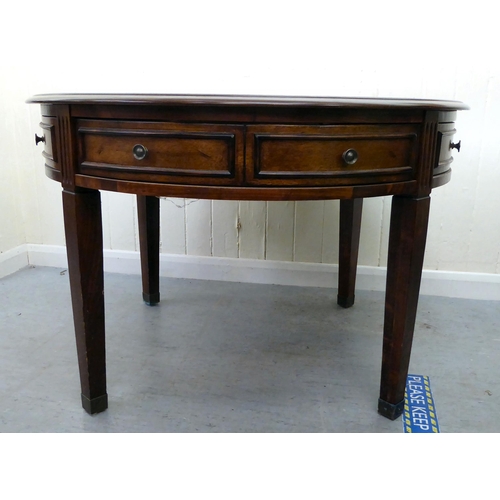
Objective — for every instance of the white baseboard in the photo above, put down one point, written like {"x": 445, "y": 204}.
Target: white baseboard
{"x": 13, "y": 260}
{"x": 438, "y": 283}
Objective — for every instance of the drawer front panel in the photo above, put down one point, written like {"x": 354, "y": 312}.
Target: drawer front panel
{"x": 167, "y": 152}
{"x": 48, "y": 125}
{"x": 446, "y": 132}
{"x": 291, "y": 155}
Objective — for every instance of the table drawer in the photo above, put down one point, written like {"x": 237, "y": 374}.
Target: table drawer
{"x": 446, "y": 132}
{"x": 156, "y": 151}
{"x": 314, "y": 155}
{"x": 49, "y": 125}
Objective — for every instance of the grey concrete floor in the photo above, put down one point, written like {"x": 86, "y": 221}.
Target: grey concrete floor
{"x": 232, "y": 357}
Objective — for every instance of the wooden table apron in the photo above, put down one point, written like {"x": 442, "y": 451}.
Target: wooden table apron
{"x": 246, "y": 148}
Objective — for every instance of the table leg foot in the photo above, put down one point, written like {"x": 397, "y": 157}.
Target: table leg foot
{"x": 151, "y": 299}
{"x": 346, "y": 302}
{"x": 95, "y": 405}
{"x": 389, "y": 410}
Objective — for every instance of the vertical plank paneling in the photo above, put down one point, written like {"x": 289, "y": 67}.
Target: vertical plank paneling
{"x": 330, "y": 247}
{"x": 51, "y": 219}
{"x": 252, "y": 229}
{"x": 22, "y": 181}
{"x": 106, "y": 232}
{"x": 438, "y": 207}
{"x": 460, "y": 196}
{"x": 198, "y": 227}
{"x": 371, "y": 227}
{"x": 482, "y": 253}
{"x": 136, "y": 224}
{"x": 172, "y": 226}
{"x": 308, "y": 242}
{"x": 225, "y": 228}
{"x": 384, "y": 231}
{"x": 280, "y": 230}
{"x": 122, "y": 221}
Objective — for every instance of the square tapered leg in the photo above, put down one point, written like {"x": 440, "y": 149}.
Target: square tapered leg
{"x": 409, "y": 219}
{"x": 83, "y": 228}
{"x": 148, "y": 211}
{"x": 349, "y": 230}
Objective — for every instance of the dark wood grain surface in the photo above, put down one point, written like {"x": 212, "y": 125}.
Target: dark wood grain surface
{"x": 246, "y": 100}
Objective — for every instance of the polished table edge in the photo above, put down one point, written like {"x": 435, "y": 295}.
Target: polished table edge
{"x": 247, "y": 100}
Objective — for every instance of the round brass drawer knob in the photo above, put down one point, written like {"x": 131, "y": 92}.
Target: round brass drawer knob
{"x": 350, "y": 156}
{"x": 140, "y": 152}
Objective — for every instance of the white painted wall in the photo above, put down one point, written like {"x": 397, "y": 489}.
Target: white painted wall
{"x": 414, "y": 49}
